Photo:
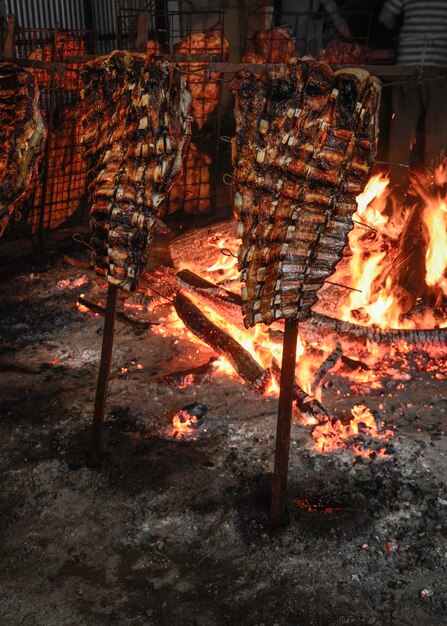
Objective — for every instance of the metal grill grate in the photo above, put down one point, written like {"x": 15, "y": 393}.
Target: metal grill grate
{"x": 56, "y": 196}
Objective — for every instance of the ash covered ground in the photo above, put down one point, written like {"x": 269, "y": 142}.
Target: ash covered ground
{"x": 174, "y": 532}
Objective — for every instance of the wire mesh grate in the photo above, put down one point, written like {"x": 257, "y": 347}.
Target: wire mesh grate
{"x": 57, "y": 193}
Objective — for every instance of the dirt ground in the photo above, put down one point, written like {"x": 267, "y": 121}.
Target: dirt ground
{"x": 174, "y": 532}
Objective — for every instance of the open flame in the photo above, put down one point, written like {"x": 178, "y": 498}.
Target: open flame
{"x": 369, "y": 267}
{"x": 374, "y": 244}
{"x": 334, "y": 435}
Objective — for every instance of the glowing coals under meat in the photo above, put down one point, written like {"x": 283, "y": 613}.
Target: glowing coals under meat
{"x": 367, "y": 269}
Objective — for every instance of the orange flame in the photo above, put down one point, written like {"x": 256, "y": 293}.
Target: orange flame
{"x": 184, "y": 424}
{"x": 368, "y": 269}
{"x": 333, "y": 435}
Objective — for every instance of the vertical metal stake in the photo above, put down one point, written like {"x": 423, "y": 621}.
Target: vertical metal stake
{"x": 94, "y": 453}
{"x": 279, "y": 485}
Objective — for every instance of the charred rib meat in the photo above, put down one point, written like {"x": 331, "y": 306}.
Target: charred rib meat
{"x": 304, "y": 148}
{"x": 136, "y": 132}
{"x": 22, "y": 135}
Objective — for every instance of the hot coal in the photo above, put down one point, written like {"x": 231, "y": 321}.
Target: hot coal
{"x": 155, "y": 537}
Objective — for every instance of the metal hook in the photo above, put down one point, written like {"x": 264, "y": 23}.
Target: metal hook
{"x": 227, "y": 252}
{"x": 393, "y": 164}
{"x": 330, "y": 282}
{"x": 364, "y": 225}
{"x": 78, "y": 238}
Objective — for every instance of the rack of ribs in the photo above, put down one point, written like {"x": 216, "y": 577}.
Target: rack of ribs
{"x": 303, "y": 150}
{"x": 22, "y": 136}
{"x": 136, "y": 130}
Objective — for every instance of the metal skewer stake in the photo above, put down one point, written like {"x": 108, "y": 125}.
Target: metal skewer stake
{"x": 281, "y": 469}
{"x": 94, "y": 452}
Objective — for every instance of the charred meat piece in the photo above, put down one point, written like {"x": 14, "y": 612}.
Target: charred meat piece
{"x": 203, "y": 86}
{"x": 191, "y": 193}
{"x": 304, "y": 148}
{"x": 62, "y": 47}
{"x": 136, "y": 131}
{"x": 274, "y": 45}
{"x": 22, "y": 136}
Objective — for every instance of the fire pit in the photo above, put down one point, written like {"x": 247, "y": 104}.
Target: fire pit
{"x": 172, "y": 526}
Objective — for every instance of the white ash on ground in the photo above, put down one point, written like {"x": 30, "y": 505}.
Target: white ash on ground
{"x": 174, "y": 531}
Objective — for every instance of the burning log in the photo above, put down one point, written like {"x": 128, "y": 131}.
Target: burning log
{"x": 202, "y": 246}
{"x": 193, "y": 376}
{"x": 409, "y": 264}
{"x": 320, "y": 326}
{"x": 242, "y": 361}
{"x": 304, "y": 402}
{"x": 225, "y": 302}
{"x": 84, "y": 265}
{"x": 328, "y": 363}
{"x": 121, "y": 317}
{"x": 354, "y": 365}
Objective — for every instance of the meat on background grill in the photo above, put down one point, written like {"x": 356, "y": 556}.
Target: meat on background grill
{"x": 152, "y": 47}
{"x": 303, "y": 150}
{"x": 192, "y": 193}
{"x": 339, "y": 52}
{"x": 22, "y": 136}
{"x": 136, "y": 130}
{"x": 66, "y": 176}
{"x": 274, "y": 45}
{"x": 204, "y": 87}
{"x": 66, "y": 46}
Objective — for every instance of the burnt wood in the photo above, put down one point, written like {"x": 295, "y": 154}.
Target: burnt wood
{"x": 195, "y": 247}
{"x": 225, "y": 302}
{"x": 284, "y": 424}
{"x": 329, "y": 362}
{"x": 305, "y": 403}
{"x": 94, "y": 453}
{"x": 242, "y": 361}
{"x": 192, "y": 376}
{"x": 121, "y": 317}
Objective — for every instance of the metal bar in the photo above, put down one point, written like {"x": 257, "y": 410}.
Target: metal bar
{"x": 142, "y": 30}
{"x": 281, "y": 469}
{"x": 382, "y": 71}
{"x": 47, "y": 153}
{"x": 94, "y": 453}
{"x": 39, "y": 65}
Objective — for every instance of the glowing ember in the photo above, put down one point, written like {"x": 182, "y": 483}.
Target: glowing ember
{"x": 333, "y": 435}
{"x": 370, "y": 266}
{"x": 188, "y": 420}
{"x": 81, "y": 308}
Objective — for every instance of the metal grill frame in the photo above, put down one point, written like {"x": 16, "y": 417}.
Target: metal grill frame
{"x": 59, "y": 98}
{"x": 267, "y": 17}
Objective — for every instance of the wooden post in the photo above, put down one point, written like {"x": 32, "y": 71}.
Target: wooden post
{"x": 10, "y": 37}
{"x": 94, "y": 453}
{"x": 142, "y": 30}
{"x": 280, "y": 472}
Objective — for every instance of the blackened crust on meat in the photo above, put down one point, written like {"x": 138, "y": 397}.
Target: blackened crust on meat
{"x": 22, "y": 136}
{"x": 136, "y": 130}
{"x": 304, "y": 148}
